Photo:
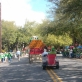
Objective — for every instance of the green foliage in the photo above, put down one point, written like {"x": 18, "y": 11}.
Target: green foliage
{"x": 67, "y": 17}
{"x": 43, "y": 28}
{"x": 61, "y": 40}
{"x": 8, "y": 33}
{"x": 15, "y": 37}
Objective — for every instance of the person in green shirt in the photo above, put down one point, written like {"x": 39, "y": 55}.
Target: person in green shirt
{"x": 9, "y": 57}
{"x": 5, "y": 54}
{"x": 2, "y": 57}
{"x": 53, "y": 50}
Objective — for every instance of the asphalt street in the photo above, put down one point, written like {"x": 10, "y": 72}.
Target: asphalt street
{"x": 22, "y": 71}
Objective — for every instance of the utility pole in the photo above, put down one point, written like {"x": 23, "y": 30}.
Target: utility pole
{"x": 0, "y": 31}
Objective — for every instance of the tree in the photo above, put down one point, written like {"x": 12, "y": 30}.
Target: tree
{"x": 62, "y": 40}
{"x": 68, "y": 17}
{"x": 8, "y": 34}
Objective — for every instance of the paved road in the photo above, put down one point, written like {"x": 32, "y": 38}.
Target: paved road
{"x": 22, "y": 71}
{"x": 70, "y": 69}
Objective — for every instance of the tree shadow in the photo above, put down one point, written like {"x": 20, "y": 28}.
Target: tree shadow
{"x": 70, "y": 72}
{"x": 22, "y": 71}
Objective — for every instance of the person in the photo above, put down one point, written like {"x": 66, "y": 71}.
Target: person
{"x": 70, "y": 53}
{"x": 53, "y": 50}
{"x": 44, "y": 56}
{"x": 9, "y": 57}
{"x": 6, "y": 56}
{"x": 2, "y": 57}
{"x": 18, "y": 54}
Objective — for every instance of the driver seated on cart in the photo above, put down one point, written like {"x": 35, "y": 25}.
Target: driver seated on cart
{"x": 44, "y": 57}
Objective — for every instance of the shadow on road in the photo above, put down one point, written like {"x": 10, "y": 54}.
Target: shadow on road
{"x": 22, "y": 71}
{"x": 70, "y": 70}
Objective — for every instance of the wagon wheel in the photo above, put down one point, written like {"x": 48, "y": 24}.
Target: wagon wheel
{"x": 30, "y": 58}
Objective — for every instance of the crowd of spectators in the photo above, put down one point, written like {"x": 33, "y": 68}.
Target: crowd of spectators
{"x": 70, "y": 51}
{"x": 74, "y": 52}
{"x": 6, "y": 57}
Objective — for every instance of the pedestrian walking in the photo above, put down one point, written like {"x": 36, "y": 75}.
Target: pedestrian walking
{"x": 6, "y": 56}
{"x": 9, "y": 57}
{"x": 2, "y": 57}
{"x": 18, "y": 54}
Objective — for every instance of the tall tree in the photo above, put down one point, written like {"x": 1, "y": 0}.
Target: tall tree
{"x": 8, "y": 34}
{"x": 68, "y": 16}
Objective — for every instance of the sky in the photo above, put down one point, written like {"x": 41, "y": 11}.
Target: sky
{"x": 22, "y": 10}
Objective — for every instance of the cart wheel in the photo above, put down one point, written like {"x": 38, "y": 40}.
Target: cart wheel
{"x": 57, "y": 67}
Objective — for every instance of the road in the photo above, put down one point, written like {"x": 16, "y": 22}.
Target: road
{"x": 70, "y": 70}
{"x": 21, "y": 71}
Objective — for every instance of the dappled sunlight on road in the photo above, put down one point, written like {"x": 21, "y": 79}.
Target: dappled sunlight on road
{"x": 70, "y": 70}
{"x": 22, "y": 71}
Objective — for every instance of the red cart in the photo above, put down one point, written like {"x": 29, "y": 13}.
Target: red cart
{"x": 36, "y": 47}
{"x": 51, "y": 62}
{"x": 35, "y": 53}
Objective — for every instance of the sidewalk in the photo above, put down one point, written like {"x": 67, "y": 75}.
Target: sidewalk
{"x": 4, "y": 64}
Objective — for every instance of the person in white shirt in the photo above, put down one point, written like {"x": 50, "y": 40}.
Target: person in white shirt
{"x": 70, "y": 53}
{"x": 18, "y": 54}
{"x": 44, "y": 56}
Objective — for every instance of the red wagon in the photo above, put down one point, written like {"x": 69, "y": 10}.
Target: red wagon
{"x": 35, "y": 49}
{"x": 51, "y": 61}
{"x": 35, "y": 53}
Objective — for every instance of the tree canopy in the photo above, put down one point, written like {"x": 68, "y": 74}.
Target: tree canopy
{"x": 64, "y": 28}
{"x": 68, "y": 17}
